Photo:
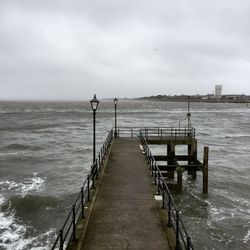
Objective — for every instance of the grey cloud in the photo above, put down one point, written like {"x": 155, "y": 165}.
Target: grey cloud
{"x": 71, "y": 49}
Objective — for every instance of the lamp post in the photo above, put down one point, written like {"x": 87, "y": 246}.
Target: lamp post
{"x": 189, "y": 115}
{"x": 94, "y": 104}
{"x": 115, "y": 103}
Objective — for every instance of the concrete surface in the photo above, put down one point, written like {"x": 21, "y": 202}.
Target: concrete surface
{"x": 125, "y": 214}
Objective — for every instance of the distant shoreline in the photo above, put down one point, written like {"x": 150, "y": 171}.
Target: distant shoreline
{"x": 199, "y": 98}
{"x": 165, "y": 98}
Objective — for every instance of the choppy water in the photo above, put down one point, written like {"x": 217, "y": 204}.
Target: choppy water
{"x": 46, "y": 150}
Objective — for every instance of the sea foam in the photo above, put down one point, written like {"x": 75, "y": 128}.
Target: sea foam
{"x": 33, "y": 183}
{"x": 12, "y": 234}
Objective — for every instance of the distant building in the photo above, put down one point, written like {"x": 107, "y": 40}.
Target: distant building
{"x": 236, "y": 98}
{"x": 218, "y": 91}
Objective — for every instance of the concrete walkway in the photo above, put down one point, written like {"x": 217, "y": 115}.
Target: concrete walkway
{"x": 125, "y": 214}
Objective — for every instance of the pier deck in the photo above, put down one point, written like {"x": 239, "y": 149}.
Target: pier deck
{"x": 125, "y": 214}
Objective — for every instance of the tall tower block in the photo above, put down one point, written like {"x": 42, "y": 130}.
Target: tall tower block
{"x": 218, "y": 91}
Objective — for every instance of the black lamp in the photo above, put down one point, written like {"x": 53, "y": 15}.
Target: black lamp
{"x": 94, "y": 105}
{"x": 115, "y": 103}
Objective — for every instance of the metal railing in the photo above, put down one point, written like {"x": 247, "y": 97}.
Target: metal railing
{"x": 161, "y": 132}
{"x": 183, "y": 240}
{"x": 128, "y": 131}
{"x": 68, "y": 231}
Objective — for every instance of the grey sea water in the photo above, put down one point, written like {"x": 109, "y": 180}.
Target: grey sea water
{"x": 46, "y": 150}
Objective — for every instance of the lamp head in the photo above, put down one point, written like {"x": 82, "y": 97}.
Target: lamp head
{"x": 115, "y": 101}
{"x": 94, "y": 103}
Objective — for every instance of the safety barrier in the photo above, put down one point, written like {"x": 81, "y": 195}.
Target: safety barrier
{"x": 68, "y": 231}
{"x": 183, "y": 240}
{"x": 160, "y": 132}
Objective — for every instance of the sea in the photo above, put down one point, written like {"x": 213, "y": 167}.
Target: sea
{"x": 46, "y": 153}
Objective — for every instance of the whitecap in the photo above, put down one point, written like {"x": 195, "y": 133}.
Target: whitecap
{"x": 34, "y": 183}
{"x": 10, "y": 231}
{"x": 246, "y": 237}
{"x": 12, "y": 234}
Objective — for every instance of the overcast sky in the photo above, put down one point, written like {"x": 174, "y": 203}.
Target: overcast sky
{"x": 58, "y": 49}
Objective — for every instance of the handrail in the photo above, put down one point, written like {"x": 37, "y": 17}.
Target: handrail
{"x": 169, "y": 132}
{"x": 156, "y": 132}
{"x": 67, "y": 232}
{"x": 183, "y": 240}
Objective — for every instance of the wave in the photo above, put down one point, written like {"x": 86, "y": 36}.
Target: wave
{"x": 13, "y": 235}
{"x": 17, "y": 146}
{"x": 24, "y": 206}
{"x": 237, "y": 136}
{"x": 33, "y": 183}
{"x": 246, "y": 238}
{"x": 30, "y": 127}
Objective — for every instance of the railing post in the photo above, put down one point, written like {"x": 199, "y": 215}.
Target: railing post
{"x": 163, "y": 197}
{"x": 96, "y": 169}
{"x": 177, "y": 229}
{"x": 88, "y": 188}
{"x": 155, "y": 176}
{"x": 61, "y": 239}
{"x": 82, "y": 202}
{"x": 93, "y": 182}
{"x": 153, "y": 169}
{"x": 205, "y": 170}
{"x": 188, "y": 243}
{"x": 99, "y": 158}
{"x": 158, "y": 191}
{"x": 169, "y": 209}
{"x": 104, "y": 148}
{"x": 74, "y": 221}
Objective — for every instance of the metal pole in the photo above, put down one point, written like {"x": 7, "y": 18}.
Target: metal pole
{"x": 163, "y": 199}
{"x": 177, "y": 230}
{"x": 93, "y": 136}
{"x": 169, "y": 209}
{"x": 188, "y": 116}
{"x": 82, "y": 202}
{"x": 74, "y": 221}
{"x": 88, "y": 188}
{"x": 61, "y": 239}
{"x": 205, "y": 170}
{"x": 188, "y": 243}
{"x": 115, "y": 123}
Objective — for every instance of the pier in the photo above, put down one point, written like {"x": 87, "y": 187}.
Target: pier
{"x": 125, "y": 201}
{"x": 168, "y": 164}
